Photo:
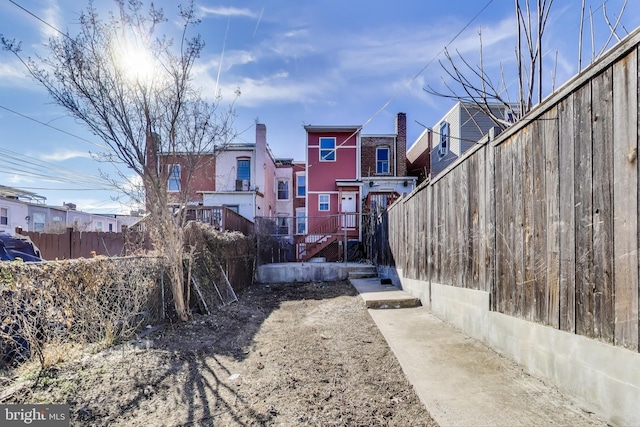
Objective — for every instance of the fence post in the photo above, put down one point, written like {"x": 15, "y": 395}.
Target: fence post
{"x": 346, "y": 255}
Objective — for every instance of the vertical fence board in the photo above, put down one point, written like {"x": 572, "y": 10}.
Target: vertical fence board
{"x": 516, "y": 238}
{"x": 434, "y": 235}
{"x": 480, "y": 231}
{"x": 584, "y": 209}
{"x": 625, "y": 188}
{"x": 529, "y": 250}
{"x": 448, "y": 213}
{"x": 462, "y": 207}
{"x": 538, "y": 248}
{"x": 490, "y": 224}
{"x": 567, "y": 215}
{"x": 498, "y": 290}
{"x": 551, "y": 139}
{"x": 476, "y": 200}
{"x": 602, "y": 119}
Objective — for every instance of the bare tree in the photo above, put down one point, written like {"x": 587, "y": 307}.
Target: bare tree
{"x": 472, "y": 84}
{"x": 491, "y": 95}
{"x": 134, "y": 90}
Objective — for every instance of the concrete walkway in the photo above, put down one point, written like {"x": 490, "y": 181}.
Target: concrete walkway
{"x": 461, "y": 381}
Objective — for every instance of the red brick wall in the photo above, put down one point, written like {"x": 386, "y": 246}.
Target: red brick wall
{"x": 397, "y": 150}
{"x": 368, "y": 153}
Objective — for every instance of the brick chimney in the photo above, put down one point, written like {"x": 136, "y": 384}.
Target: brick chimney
{"x": 261, "y": 136}
{"x": 401, "y": 144}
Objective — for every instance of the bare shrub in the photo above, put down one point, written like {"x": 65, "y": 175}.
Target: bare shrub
{"x": 218, "y": 254}
{"x": 49, "y": 306}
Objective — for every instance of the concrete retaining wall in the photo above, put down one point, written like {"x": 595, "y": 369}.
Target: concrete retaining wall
{"x": 604, "y": 377}
{"x": 302, "y": 272}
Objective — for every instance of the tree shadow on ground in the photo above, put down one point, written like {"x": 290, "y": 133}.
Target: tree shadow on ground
{"x": 229, "y": 332}
{"x": 194, "y": 362}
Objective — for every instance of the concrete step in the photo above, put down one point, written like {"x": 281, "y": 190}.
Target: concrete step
{"x": 393, "y": 302}
{"x": 364, "y": 271}
{"x": 381, "y": 294}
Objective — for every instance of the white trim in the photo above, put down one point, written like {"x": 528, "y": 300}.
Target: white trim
{"x": 322, "y": 192}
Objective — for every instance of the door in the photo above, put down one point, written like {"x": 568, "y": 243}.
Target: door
{"x": 348, "y": 210}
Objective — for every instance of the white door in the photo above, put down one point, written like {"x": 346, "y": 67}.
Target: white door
{"x": 348, "y": 209}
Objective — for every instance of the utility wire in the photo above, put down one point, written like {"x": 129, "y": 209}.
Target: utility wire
{"x": 38, "y": 18}
{"x": 53, "y": 127}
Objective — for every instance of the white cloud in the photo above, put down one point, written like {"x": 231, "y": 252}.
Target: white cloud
{"x": 277, "y": 88}
{"x": 60, "y": 156}
{"x": 51, "y": 14}
{"x": 227, "y": 11}
{"x": 11, "y": 73}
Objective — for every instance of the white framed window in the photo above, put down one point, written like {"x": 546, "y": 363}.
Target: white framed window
{"x": 301, "y": 221}
{"x": 382, "y": 160}
{"x": 283, "y": 189}
{"x": 283, "y": 225}
{"x": 301, "y": 185}
{"x": 4, "y": 216}
{"x": 324, "y": 202}
{"x": 243, "y": 171}
{"x": 174, "y": 178}
{"x": 444, "y": 139}
{"x": 38, "y": 221}
{"x": 98, "y": 226}
{"x": 327, "y": 149}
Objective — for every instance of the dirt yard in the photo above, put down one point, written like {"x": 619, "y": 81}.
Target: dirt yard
{"x": 285, "y": 354}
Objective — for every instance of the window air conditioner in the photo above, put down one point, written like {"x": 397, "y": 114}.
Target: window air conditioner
{"x": 242, "y": 185}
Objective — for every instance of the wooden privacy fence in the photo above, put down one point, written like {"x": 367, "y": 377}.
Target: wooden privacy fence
{"x": 544, "y": 217}
{"x": 85, "y": 244}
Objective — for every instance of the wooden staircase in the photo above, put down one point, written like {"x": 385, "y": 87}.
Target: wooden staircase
{"x": 320, "y": 241}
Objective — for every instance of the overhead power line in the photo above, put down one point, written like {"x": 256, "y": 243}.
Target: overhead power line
{"x": 53, "y": 127}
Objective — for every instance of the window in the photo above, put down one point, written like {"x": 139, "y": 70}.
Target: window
{"x": 38, "y": 221}
{"x": 323, "y": 202}
{"x": 327, "y": 149}
{"x": 98, "y": 225}
{"x": 234, "y": 208}
{"x": 110, "y": 227}
{"x": 301, "y": 221}
{"x": 301, "y": 186}
{"x": 283, "y": 225}
{"x": 444, "y": 139}
{"x": 382, "y": 160}
{"x": 4, "y": 216}
{"x": 283, "y": 189}
{"x": 244, "y": 169}
{"x": 174, "y": 178}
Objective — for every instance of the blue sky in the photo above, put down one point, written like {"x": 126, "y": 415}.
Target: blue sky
{"x": 295, "y": 63}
